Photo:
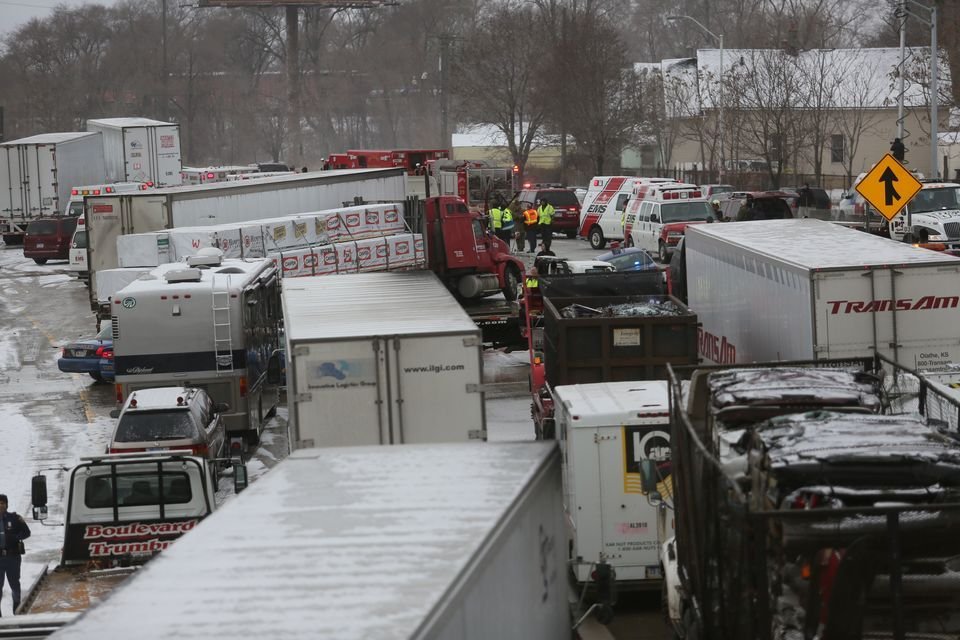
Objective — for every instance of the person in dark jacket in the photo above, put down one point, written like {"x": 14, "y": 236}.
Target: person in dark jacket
{"x": 13, "y": 531}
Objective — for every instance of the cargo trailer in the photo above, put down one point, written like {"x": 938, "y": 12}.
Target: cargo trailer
{"x": 804, "y": 289}
{"x": 37, "y": 174}
{"x": 380, "y": 358}
{"x": 140, "y": 150}
{"x": 420, "y": 541}
{"x": 110, "y": 216}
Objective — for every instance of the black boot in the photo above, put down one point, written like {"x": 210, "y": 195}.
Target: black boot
{"x": 16, "y": 605}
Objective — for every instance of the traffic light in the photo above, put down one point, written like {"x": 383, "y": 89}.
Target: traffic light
{"x": 516, "y": 168}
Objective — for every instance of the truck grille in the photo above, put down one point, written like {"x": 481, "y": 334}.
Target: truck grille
{"x": 952, "y": 230}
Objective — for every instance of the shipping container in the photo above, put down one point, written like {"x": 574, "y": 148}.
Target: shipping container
{"x": 380, "y": 358}
{"x": 220, "y": 203}
{"x": 140, "y": 150}
{"x": 605, "y": 431}
{"x": 805, "y": 289}
{"x": 423, "y": 542}
{"x": 37, "y": 174}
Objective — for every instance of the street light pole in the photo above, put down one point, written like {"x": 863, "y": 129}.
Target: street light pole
{"x": 720, "y": 124}
{"x": 930, "y": 21}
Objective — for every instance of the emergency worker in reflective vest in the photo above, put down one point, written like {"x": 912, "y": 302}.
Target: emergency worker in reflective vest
{"x": 545, "y": 220}
{"x": 496, "y": 219}
{"x": 507, "y": 225}
{"x": 530, "y": 219}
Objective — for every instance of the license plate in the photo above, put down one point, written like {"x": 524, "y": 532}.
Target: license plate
{"x": 156, "y": 448}
{"x": 79, "y": 353}
{"x": 39, "y": 245}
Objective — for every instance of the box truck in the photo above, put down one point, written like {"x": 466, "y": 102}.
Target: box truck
{"x": 605, "y": 430}
{"x": 140, "y": 150}
{"x": 804, "y": 289}
{"x": 109, "y": 216}
{"x": 380, "y": 358}
{"x": 419, "y": 541}
{"x": 37, "y": 174}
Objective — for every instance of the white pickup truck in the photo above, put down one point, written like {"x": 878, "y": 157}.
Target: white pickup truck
{"x": 121, "y": 510}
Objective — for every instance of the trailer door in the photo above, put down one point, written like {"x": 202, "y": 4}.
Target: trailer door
{"x": 629, "y": 521}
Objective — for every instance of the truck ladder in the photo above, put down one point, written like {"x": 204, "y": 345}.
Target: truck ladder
{"x": 222, "y": 334}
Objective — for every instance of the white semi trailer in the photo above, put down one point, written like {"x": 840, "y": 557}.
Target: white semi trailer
{"x": 140, "y": 150}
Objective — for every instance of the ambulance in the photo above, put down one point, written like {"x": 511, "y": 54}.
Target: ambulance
{"x": 78, "y": 244}
{"x": 658, "y": 214}
{"x": 605, "y": 203}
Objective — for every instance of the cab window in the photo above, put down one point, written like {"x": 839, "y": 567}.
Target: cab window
{"x": 137, "y": 490}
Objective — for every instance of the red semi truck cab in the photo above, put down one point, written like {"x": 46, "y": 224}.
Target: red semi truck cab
{"x": 465, "y": 254}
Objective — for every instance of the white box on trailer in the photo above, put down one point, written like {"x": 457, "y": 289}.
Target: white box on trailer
{"x": 140, "y": 150}
{"x": 37, "y": 174}
{"x": 380, "y": 358}
{"x": 806, "y": 289}
{"x": 426, "y": 542}
{"x": 606, "y": 429}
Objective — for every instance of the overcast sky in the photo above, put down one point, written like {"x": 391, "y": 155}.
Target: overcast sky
{"x": 14, "y": 13}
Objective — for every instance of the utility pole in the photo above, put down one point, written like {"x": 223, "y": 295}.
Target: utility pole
{"x": 293, "y": 87}
{"x": 444, "y": 63}
{"x": 165, "y": 98}
{"x": 930, "y": 21}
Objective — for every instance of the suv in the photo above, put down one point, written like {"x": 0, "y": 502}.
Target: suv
{"x": 566, "y": 205}
{"x": 758, "y": 205}
{"x": 170, "y": 418}
{"x": 49, "y": 239}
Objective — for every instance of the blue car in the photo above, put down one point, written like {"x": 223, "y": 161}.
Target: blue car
{"x": 90, "y": 355}
{"x": 629, "y": 259}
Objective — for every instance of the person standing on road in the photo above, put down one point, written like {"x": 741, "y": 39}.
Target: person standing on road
{"x": 717, "y": 214}
{"x": 530, "y": 223}
{"x": 545, "y": 220}
{"x": 496, "y": 219}
{"x": 13, "y": 531}
{"x": 506, "y": 230}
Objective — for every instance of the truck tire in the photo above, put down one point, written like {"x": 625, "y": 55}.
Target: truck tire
{"x": 663, "y": 254}
{"x": 511, "y": 283}
{"x": 597, "y": 241}
{"x": 40, "y": 260}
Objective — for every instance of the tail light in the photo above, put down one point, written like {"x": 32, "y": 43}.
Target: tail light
{"x": 243, "y": 386}
{"x": 119, "y": 391}
{"x": 100, "y": 351}
{"x": 200, "y": 449}
{"x": 109, "y": 189}
{"x": 96, "y": 192}
{"x": 108, "y": 355}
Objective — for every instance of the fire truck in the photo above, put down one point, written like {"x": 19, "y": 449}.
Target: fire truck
{"x": 477, "y": 183}
{"x": 409, "y": 159}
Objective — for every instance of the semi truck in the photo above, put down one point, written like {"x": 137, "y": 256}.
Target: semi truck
{"x": 804, "y": 289}
{"x": 421, "y": 541}
{"x": 140, "y": 150}
{"x": 380, "y": 358}
{"x": 209, "y": 323}
{"x": 120, "y": 511}
{"x": 37, "y": 174}
{"x": 109, "y": 216}
{"x": 801, "y": 511}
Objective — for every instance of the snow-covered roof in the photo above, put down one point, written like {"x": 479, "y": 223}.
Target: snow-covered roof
{"x": 611, "y": 404}
{"x": 808, "y": 243}
{"x": 51, "y": 138}
{"x": 348, "y": 542}
{"x": 488, "y": 135}
{"x": 359, "y": 305}
{"x": 129, "y": 122}
{"x": 853, "y": 78}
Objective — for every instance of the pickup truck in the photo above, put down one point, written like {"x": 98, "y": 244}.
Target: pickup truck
{"x": 121, "y": 510}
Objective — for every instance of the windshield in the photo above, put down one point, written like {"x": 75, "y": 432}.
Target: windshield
{"x": 720, "y": 188}
{"x": 560, "y": 198}
{"x": 106, "y": 333}
{"x": 140, "y": 489}
{"x": 80, "y": 240}
{"x": 684, "y": 211}
{"x": 42, "y": 228}
{"x": 939, "y": 199}
{"x": 155, "y": 425}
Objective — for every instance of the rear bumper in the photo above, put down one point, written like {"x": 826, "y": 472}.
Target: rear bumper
{"x": 80, "y": 365}
{"x": 53, "y": 253}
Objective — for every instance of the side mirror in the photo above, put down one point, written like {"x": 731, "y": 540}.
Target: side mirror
{"x": 648, "y": 480}
{"x": 115, "y": 413}
{"x": 38, "y": 496}
{"x": 277, "y": 368}
{"x": 240, "y": 479}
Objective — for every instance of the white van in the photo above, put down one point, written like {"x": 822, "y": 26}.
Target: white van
{"x": 656, "y": 221}
{"x": 78, "y": 244}
{"x": 604, "y": 205}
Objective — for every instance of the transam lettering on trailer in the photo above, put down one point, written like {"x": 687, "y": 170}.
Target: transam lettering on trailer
{"x": 903, "y": 304}
{"x": 716, "y": 348}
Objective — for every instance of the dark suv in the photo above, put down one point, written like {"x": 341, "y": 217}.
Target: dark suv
{"x": 566, "y": 207}
{"x": 819, "y": 204}
{"x": 758, "y": 205}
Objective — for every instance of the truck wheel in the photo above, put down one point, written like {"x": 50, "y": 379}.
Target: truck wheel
{"x": 40, "y": 260}
{"x": 511, "y": 284}
{"x": 597, "y": 241}
{"x": 571, "y": 233}
{"x": 662, "y": 252}
{"x": 96, "y": 376}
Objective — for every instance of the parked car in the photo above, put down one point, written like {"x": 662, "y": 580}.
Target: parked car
{"x": 170, "y": 418}
{"x": 629, "y": 259}
{"x": 821, "y": 206}
{"x": 758, "y": 205}
{"x": 49, "y": 239}
{"x": 711, "y": 190}
{"x": 90, "y": 355}
{"x": 566, "y": 205}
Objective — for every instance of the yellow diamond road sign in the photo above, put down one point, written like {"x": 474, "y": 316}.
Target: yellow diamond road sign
{"x": 888, "y": 187}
